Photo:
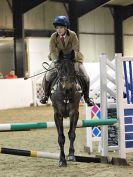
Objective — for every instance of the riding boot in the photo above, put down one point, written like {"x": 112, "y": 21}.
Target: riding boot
{"x": 86, "y": 94}
{"x": 46, "y": 87}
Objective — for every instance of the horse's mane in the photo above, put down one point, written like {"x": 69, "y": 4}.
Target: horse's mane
{"x": 66, "y": 67}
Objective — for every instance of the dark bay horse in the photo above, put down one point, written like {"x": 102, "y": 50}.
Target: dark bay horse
{"x": 65, "y": 96}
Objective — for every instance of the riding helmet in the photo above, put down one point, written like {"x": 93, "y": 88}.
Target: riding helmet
{"x": 61, "y": 21}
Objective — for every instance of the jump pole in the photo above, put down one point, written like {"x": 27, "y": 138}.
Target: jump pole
{"x": 45, "y": 125}
{"x": 47, "y": 155}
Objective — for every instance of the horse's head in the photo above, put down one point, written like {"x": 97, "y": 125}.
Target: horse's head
{"x": 67, "y": 56}
{"x": 66, "y": 70}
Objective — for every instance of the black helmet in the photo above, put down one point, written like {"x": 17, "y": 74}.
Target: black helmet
{"x": 61, "y": 21}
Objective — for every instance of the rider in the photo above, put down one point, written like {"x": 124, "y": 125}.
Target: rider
{"x": 66, "y": 40}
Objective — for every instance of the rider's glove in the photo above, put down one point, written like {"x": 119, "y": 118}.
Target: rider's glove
{"x": 56, "y": 63}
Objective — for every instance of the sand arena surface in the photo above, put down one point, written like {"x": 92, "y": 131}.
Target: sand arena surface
{"x": 46, "y": 140}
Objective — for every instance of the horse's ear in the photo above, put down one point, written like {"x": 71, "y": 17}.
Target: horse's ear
{"x": 61, "y": 55}
{"x": 72, "y": 54}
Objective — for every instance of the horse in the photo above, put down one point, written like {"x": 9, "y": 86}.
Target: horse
{"x": 65, "y": 95}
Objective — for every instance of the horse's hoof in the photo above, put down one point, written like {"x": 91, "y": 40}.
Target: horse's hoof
{"x": 71, "y": 158}
{"x": 63, "y": 163}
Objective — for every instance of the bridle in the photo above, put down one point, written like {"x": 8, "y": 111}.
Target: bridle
{"x": 66, "y": 71}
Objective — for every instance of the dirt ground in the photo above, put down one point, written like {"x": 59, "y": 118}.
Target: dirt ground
{"x": 46, "y": 140}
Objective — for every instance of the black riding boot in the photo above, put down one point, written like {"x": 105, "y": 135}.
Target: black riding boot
{"x": 46, "y": 87}
{"x": 86, "y": 94}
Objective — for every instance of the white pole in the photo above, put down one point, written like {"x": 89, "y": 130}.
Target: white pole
{"x": 88, "y": 129}
{"x": 120, "y": 106}
{"x": 34, "y": 90}
{"x": 103, "y": 105}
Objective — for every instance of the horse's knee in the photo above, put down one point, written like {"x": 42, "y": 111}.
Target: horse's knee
{"x": 74, "y": 114}
{"x": 61, "y": 139}
{"x": 71, "y": 135}
{"x": 57, "y": 115}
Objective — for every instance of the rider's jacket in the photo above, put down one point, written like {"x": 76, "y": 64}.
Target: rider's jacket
{"x": 71, "y": 43}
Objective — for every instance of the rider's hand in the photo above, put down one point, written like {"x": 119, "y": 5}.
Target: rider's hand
{"x": 56, "y": 62}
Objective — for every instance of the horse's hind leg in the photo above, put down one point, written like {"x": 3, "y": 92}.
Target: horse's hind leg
{"x": 73, "y": 123}
{"x": 61, "y": 138}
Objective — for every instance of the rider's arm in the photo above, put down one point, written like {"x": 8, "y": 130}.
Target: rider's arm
{"x": 75, "y": 46}
{"x": 53, "y": 55}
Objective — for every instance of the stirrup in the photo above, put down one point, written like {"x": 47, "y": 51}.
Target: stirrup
{"x": 44, "y": 100}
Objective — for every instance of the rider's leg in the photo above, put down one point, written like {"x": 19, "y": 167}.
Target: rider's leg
{"x": 46, "y": 84}
{"x": 86, "y": 80}
{"x": 46, "y": 88}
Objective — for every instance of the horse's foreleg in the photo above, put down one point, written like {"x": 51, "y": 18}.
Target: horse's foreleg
{"x": 73, "y": 123}
{"x": 61, "y": 138}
